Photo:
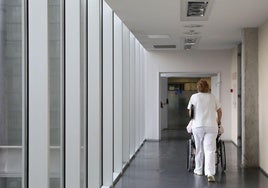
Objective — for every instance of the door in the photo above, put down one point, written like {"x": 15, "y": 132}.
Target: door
{"x": 163, "y": 103}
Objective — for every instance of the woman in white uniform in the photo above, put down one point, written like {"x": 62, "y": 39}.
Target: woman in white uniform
{"x": 207, "y": 117}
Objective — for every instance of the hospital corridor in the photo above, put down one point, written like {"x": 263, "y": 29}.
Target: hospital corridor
{"x": 94, "y": 93}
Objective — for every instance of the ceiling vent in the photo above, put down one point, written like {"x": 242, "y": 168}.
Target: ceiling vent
{"x": 164, "y": 46}
{"x": 195, "y": 10}
{"x": 191, "y": 42}
{"x": 188, "y": 47}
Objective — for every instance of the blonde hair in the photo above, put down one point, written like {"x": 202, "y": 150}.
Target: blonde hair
{"x": 202, "y": 86}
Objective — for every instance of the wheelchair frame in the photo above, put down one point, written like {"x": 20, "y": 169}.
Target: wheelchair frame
{"x": 220, "y": 154}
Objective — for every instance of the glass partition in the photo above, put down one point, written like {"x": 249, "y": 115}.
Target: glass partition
{"x": 12, "y": 103}
{"x": 56, "y": 90}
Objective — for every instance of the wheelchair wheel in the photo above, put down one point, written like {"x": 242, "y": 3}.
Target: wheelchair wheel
{"x": 190, "y": 156}
{"x": 222, "y": 156}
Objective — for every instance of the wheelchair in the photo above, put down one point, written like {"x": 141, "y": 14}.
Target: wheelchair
{"x": 220, "y": 154}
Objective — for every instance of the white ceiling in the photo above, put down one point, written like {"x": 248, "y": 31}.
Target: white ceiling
{"x": 222, "y": 30}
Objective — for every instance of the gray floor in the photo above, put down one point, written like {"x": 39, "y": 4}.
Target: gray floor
{"x": 163, "y": 165}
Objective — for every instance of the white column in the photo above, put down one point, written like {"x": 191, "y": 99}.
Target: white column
{"x": 250, "y": 117}
{"x": 108, "y": 96}
{"x": 132, "y": 95}
{"x": 142, "y": 119}
{"x": 126, "y": 95}
{"x": 38, "y": 95}
{"x": 73, "y": 94}
{"x": 94, "y": 92}
{"x": 118, "y": 102}
{"x": 137, "y": 94}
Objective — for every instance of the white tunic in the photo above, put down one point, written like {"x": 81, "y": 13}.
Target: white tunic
{"x": 205, "y": 108}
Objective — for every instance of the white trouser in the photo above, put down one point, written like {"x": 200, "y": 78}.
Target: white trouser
{"x": 205, "y": 143}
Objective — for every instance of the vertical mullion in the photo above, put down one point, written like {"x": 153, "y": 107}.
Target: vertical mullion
{"x": 126, "y": 94}
{"x": 132, "y": 94}
{"x": 94, "y": 92}
{"x": 137, "y": 120}
{"x": 62, "y": 95}
{"x": 86, "y": 96}
{"x": 73, "y": 94}
{"x": 141, "y": 96}
{"x": 108, "y": 97}
{"x": 38, "y": 95}
{"x": 118, "y": 95}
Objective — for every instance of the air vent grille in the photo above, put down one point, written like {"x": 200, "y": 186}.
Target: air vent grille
{"x": 164, "y": 46}
{"x": 197, "y": 8}
{"x": 191, "y": 42}
{"x": 188, "y": 47}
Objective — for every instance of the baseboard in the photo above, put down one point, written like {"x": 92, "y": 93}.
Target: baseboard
{"x": 125, "y": 167}
{"x": 152, "y": 140}
{"x": 234, "y": 143}
{"x": 265, "y": 173}
{"x": 117, "y": 176}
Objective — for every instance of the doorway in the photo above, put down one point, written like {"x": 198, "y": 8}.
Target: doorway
{"x": 175, "y": 92}
{"x": 179, "y": 92}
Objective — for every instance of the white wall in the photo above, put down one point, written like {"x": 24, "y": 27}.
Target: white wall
{"x": 234, "y": 95}
{"x": 185, "y": 61}
{"x": 263, "y": 91}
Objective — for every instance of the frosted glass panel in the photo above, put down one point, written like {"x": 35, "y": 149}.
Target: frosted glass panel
{"x": 55, "y": 89}
{"x": 11, "y": 94}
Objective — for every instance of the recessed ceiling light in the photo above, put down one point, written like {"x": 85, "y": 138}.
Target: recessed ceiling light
{"x": 158, "y": 36}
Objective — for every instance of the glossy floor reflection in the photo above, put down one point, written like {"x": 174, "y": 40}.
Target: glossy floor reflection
{"x": 163, "y": 165}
